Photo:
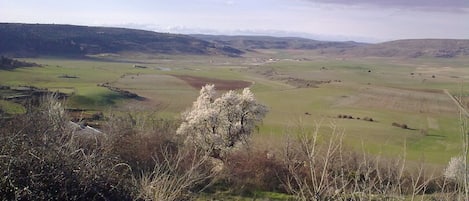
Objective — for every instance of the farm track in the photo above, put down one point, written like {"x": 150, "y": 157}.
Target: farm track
{"x": 199, "y": 82}
{"x": 461, "y": 107}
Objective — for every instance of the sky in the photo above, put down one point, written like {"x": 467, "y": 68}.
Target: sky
{"x": 342, "y": 20}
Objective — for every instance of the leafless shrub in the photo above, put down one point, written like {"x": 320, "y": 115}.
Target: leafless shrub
{"x": 43, "y": 159}
{"x": 320, "y": 168}
{"x": 247, "y": 171}
{"x": 165, "y": 168}
{"x": 403, "y": 126}
{"x": 177, "y": 177}
{"x": 310, "y": 162}
{"x": 138, "y": 139}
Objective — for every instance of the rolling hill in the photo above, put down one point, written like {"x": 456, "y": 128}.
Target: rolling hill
{"x": 269, "y": 42}
{"x": 409, "y": 48}
{"x": 26, "y": 40}
{"x": 70, "y": 40}
{"x": 413, "y": 48}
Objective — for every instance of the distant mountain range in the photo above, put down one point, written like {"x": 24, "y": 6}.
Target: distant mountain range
{"x": 26, "y": 40}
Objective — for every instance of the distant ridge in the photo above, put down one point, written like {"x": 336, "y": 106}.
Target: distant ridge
{"x": 414, "y": 48}
{"x": 26, "y": 40}
{"x": 69, "y": 40}
{"x": 269, "y": 42}
{"x": 408, "y": 48}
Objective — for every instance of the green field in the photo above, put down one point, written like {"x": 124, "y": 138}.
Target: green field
{"x": 388, "y": 90}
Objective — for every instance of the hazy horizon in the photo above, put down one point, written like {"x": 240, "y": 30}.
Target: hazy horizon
{"x": 339, "y": 20}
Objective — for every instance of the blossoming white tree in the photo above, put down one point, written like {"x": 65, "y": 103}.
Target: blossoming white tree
{"x": 455, "y": 169}
{"x": 217, "y": 124}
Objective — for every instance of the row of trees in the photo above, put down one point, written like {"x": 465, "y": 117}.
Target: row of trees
{"x": 8, "y": 63}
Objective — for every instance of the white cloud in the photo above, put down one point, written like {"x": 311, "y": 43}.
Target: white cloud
{"x": 453, "y": 6}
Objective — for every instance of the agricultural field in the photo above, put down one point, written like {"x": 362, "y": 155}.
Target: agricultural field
{"x": 364, "y": 97}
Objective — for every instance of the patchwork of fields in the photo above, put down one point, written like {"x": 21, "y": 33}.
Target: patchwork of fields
{"x": 298, "y": 88}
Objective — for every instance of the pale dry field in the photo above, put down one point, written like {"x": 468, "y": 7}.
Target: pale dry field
{"x": 404, "y": 100}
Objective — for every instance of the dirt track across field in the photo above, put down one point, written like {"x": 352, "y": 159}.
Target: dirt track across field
{"x": 198, "y": 82}
{"x": 460, "y": 106}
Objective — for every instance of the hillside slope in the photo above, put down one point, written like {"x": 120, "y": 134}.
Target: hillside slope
{"x": 409, "y": 48}
{"x": 269, "y": 42}
{"x": 69, "y": 40}
{"x": 413, "y": 48}
{"x": 19, "y": 40}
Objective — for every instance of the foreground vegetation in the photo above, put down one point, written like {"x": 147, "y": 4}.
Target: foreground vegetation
{"x": 138, "y": 157}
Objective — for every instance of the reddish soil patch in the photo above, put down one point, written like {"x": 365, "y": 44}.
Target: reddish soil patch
{"x": 198, "y": 82}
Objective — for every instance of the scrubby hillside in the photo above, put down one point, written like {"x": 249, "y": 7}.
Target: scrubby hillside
{"x": 69, "y": 40}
